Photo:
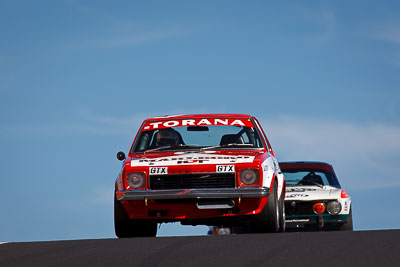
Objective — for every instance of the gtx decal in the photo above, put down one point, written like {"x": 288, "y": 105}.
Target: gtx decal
{"x": 158, "y": 170}
{"x": 225, "y": 168}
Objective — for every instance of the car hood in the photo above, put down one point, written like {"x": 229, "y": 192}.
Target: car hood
{"x": 308, "y": 193}
{"x": 194, "y": 158}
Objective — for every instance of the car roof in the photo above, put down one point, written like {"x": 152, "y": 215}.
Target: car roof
{"x": 187, "y": 116}
{"x": 289, "y": 166}
{"x": 306, "y": 164}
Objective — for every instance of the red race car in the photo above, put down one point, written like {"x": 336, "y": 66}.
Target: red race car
{"x": 214, "y": 169}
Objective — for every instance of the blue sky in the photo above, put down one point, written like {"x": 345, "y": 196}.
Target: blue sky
{"x": 78, "y": 77}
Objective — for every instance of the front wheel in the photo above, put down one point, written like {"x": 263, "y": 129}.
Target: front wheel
{"x": 127, "y": 227}
{"x": 348, "y": 225}
{"x": 267, "y": 221}
{"x": 282, "y": 214}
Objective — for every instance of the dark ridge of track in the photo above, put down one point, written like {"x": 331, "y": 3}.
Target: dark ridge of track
{"x": 362, "y": 248}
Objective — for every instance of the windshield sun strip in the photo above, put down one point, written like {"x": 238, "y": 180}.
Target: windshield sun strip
{"x": 254, "y": 124}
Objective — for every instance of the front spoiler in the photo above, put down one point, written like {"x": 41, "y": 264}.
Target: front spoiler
{"x": 248, "y": 192}
{"x": 310, "y": 221}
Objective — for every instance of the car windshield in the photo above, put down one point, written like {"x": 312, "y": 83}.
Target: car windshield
{"x": 197, "y": 134}
{"x": 309, "y": 177}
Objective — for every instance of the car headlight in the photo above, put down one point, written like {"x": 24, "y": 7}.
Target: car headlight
{"x": 136, "y": 179}
{"x": 333, "y": 207}
{"x": 319, "y": 208}
{"x": 249, "y": 176}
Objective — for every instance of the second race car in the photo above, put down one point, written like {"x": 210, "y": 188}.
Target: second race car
{"x": 314, "y": 198}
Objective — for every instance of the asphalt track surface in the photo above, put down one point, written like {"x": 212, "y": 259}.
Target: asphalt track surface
{"x": 359, "y": 248}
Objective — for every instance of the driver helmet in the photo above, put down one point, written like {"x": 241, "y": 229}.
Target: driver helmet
{"x": 167, "y": 137}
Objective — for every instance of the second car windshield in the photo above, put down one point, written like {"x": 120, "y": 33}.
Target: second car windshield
{"x": 309, "y": 177}
{"x": 197, "y": 137}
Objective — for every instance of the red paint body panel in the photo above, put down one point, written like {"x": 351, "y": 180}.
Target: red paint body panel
{"x": 139, "y": 210}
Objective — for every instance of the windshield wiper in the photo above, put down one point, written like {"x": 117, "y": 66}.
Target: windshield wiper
{"x": 226, "y": 145}
{"x": 171, "y": 146}
{"x": 317, "y": 184}
{"x": 312, "y": 182}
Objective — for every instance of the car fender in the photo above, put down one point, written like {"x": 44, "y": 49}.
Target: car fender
{"x": 344, "y": 201}
{"x": 270, "y": 170}
{"x": 281, "y": 184}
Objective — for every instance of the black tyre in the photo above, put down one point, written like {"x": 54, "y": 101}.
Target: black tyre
{"x": 282, "y": 213}
{"x": 267, "y": 221}
{"x": 348, "y": 226}
{"x": 126, "y": 227}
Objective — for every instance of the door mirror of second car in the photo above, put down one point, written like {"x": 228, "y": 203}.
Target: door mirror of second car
{"x": 121, "y": 155}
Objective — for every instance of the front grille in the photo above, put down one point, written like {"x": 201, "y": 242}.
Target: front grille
{"x": 301, "y": 207}
{"x": 192, "y": 180}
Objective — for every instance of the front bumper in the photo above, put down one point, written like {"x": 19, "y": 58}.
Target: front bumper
{"x": 314, "y": 221}
{"x": 247, "y": 192}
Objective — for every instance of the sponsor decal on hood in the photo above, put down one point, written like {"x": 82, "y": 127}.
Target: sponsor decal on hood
{"x": 192, "y": 158}
{"x": 311, "y": 193}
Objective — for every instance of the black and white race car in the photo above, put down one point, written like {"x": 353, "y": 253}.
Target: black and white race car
{"x": 314, "y": 198}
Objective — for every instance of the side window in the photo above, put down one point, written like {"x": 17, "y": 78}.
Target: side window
{"x": 144, "y": 141}
{"x": 251, "y": 137}
{"x": 246, "y": 139}
{"x": 324, "y": 178}
{"x": 261, "y": 134}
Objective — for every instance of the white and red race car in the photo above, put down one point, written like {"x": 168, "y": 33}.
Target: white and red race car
{"x": 214, "y": 169}
{"x": 314, "y": 198}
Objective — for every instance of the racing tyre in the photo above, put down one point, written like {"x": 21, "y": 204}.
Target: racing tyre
{"x": 348, "y": 226}
{"x": 267, "y": 221}
{"x": 126, "y": 227}
{"x": 282, "y": 214}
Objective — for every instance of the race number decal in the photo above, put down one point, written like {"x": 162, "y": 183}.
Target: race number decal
{"x": 158, "y": 170}
{"x": 225, "y": 168}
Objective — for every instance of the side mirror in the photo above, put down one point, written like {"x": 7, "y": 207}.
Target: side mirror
{"x": 121, "y": 155}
